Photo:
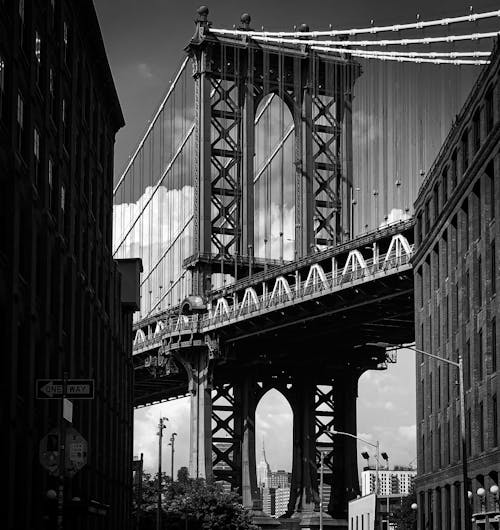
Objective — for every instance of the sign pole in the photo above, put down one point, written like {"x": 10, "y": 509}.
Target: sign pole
{"x": 62, "y": 458}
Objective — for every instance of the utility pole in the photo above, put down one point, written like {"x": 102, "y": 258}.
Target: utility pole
{"x": 172, "y": 443}
{"x": 161, "y": 426}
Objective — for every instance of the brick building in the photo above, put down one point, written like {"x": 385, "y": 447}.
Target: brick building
{"x": 456, "y": 309}
{"x": 65, "y": 305}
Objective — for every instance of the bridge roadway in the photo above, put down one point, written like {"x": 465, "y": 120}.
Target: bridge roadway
{"x": 332, "y": 301}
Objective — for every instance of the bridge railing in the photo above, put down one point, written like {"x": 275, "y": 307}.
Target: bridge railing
{"x": 228, "y": 310}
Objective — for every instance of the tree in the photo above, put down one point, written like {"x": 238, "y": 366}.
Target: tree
{"x": 206, "y": 506}
{"x": 189, "y": 504}
{"x": 405, "y": 518}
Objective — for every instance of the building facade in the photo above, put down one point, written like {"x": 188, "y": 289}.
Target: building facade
{"x": 66, "y": 305}
{"x": 392, "y": 481}
{"x": 456, "y": 309}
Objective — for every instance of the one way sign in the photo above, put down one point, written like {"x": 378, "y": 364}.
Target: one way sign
{"x": 75, "y": 389}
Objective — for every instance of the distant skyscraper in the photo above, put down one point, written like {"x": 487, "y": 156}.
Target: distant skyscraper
{"x": 263, "y": 470}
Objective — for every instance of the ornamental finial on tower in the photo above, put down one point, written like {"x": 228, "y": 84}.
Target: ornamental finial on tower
{"x": 245, "y": 22}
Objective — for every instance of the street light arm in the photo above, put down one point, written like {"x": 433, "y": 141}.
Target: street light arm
{"x": 355, "y": 437}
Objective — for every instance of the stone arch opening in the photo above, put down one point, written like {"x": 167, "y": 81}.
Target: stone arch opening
{"x": 274, "y": 442}
{"x": 274, "y": 179}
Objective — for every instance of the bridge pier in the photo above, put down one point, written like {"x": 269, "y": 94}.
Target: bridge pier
{"x": 304, "y": 489}
{"x": 199, "y": 372}
{"x": 345, "y": 485}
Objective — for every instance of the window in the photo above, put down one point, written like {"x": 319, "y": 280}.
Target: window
{"x": 494, "y": 345}
{"x": 66, "y": 129}
{"x": 447, "y": 317}
{"x": 465, "y": 223}
{"x": 439, "y": 462}
{"x": 20, "y": 122}
{"x": 50, "y": 174}
{"x": 431, "y": 390}
{"x": 52, "y": 13}
{"x": 464, "y": 147}
{"x": 2, "y": 85}
{"x": 436, "y": 201}
{"x": 480, "y": 356}
{"x": 488, "y": 110}
{"x": 476, "y": 131}
{"x": 476, "y": 197}
{"x": 444, "y": 180}
{"x": 36, "y": 155}
{"x": 65, "y": 42}
{"x": 468, "y": 367}
{"x": 493, "y": 269}
{"x": 21, "y": 22}
{"x": 479, "y": 282}
{"x": 490, "y": 172}
{"x": 420, "y": 285}
{"x": 52, "y": 93}
{"x": 467, "y": 296}
{"x": 38, "y": 56}
{"x": 427, "y": 221}
{"x": 439, "y": 388}
{"x": 469, "y": 433}
{"x": 454, "y": 169}
{"x": 481, "y": 427}
{"x": 494, "y": 411}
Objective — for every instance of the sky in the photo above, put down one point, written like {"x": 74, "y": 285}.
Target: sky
{"x": 144, "y": 41}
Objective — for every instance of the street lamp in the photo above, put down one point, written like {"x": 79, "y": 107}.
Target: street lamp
{"x": 161, "y": 426}
{"x": 460, "y": 366}
{"x": 172, "y": 444}
{"x": 377, "y": 447}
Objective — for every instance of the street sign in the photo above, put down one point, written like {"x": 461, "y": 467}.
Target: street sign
{"x": 75, "y": 388}
{"x": 75, "y": 452}
{"x": 49, "y": 452}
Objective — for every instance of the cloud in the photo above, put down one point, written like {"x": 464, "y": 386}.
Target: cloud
{"x": 145, "y": 71}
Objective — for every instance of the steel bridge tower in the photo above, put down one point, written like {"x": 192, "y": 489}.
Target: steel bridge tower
{"x": 232, "y": 76}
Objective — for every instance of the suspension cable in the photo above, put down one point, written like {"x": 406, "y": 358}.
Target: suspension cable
{"x": 157, "y": 186}
{"x": 472, "y": 17}
{"x": 151, "y": 124}
{"x": 383, "y": 42}
{"x": 416, "y": 59}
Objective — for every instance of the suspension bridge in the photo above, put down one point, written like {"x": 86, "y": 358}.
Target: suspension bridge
{"x": 270, "y": 200}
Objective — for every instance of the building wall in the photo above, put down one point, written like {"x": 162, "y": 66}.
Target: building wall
{"x": 60, "y": 296}
{"x": 456, "y": 309}
{"x": 392, "y": 482}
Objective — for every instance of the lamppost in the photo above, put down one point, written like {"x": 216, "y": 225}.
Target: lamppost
{"x": 172, "y": 444}
{"x": 465, "y": 512}
{"x": 161, "y": 426}
{"x": 377, "y": 455}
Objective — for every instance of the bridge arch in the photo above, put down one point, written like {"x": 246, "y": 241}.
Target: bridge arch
{"x": 274, "y": 177}
{"x": 274, "y": 436}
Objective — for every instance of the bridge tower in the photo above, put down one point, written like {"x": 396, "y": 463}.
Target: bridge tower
{"x": 232, "y": 76}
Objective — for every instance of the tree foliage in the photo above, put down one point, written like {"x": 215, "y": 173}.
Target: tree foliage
{"x": 190, "y": 504}
{"x": 405, "y": 518}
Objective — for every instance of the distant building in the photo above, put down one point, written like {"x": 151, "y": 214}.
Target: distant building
{"x": 392, "y": 482}
{"x": 275, "y": 501}
{"x": 373, "y": 512}
{"x": 278, "y": 479}
{"x": 456, "y": 269}
{"x": 66, "y": 306}
{"x": 263, "y": 470}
